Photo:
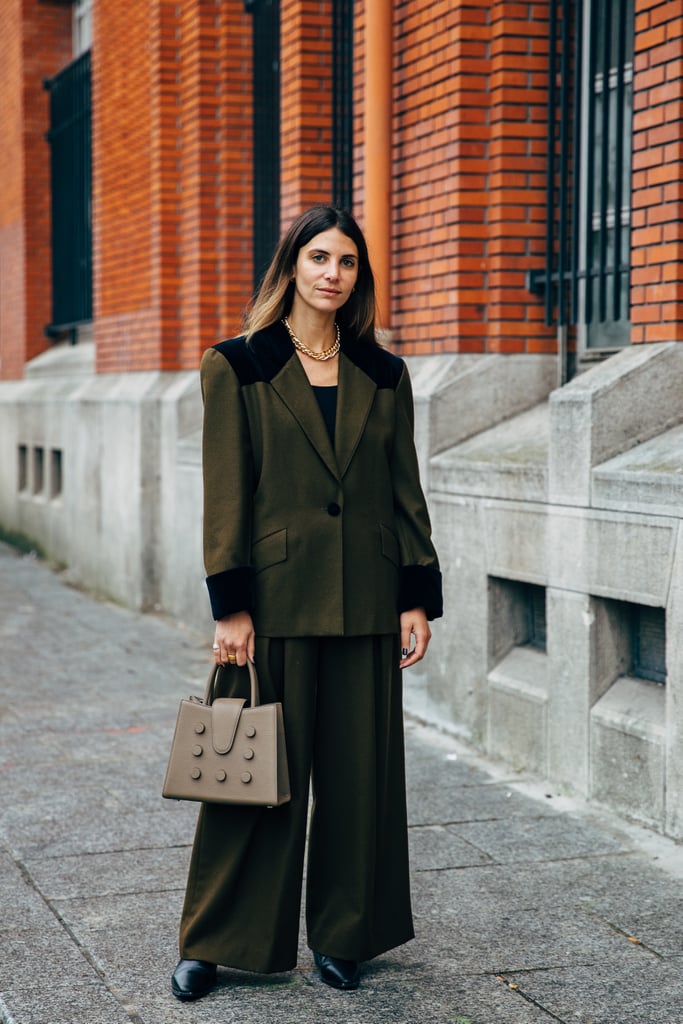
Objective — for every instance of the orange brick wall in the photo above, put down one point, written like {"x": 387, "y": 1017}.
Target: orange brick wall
{"x": 657, "y": 209}
{"x": 124, "y": 145}
{"x": 306, "y": 106}
{"x": 236, "y": 170}
{"x": 172, "y": 180}
{"x": 171, "y": 154}
{"x": 469, "y": 121}
{"x": 35, "y": 43}
{"x": 517, "y": 198}
{"x": 12, "y": 249}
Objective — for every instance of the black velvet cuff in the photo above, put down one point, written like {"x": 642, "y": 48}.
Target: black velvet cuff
{"x": 231, "y": 591}
{"x": 419, "y": 586}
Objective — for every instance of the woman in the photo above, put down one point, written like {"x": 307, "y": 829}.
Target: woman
{"x": 321, "y": 568}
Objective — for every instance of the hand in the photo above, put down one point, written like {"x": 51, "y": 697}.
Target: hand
{"x": 235, "y": 639}
{"x": 414, "y": 624}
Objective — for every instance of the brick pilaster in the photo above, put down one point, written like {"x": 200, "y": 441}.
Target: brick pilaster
{"x": 35, "y": 43}
{"x": 657, "y": 202}
{"x": 172, "y": 181}
{"x": 306, "y": 75}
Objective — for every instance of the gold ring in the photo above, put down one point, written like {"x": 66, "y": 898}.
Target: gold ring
{"x": 232, "y": 659}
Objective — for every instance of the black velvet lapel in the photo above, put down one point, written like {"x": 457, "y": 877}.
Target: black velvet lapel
{"x": 270, "y": 358}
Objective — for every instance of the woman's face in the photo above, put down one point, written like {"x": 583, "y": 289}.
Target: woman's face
{"x": 326, "y": 271}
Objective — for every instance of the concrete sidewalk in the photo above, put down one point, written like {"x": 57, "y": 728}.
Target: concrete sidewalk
{"x": 529, "y": 908}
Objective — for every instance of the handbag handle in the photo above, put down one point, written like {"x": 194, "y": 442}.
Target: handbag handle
{"x": 213, "y": 677}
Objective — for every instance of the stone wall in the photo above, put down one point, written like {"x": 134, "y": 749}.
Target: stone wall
{"x": 556, "y": 514}
{"x": 576, "y": 502}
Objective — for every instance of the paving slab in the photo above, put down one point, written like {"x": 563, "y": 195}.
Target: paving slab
{"x": 529, "y": 907}
{"x": 645, "y": 992}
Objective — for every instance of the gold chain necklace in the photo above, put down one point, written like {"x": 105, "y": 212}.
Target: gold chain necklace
{"x": 327, "y": 353}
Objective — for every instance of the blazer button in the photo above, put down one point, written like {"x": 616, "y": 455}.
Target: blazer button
{"x": 333, "y": 509}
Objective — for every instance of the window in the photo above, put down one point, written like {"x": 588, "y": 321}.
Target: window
{"x": 605, "y": 180}
{"x": 266, "y": 121}
{"x": 342, "y": 103}
{"x": 585, "y": 280}
{"x": 70, "y": 166}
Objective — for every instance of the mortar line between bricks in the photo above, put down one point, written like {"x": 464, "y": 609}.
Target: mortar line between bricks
{"x": 89, "y": 959}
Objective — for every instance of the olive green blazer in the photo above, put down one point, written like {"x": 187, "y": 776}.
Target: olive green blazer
{"x": 313, "y": 540}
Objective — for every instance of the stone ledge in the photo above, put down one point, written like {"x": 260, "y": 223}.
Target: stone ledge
{"x": 623, "y": 401}
{"x": 647, "y": 478}
{"x": 633, "y": 706}
{"x": 523, "y": 671}
{"x": 507, "y": 461}
{"x": 63, "y": 360}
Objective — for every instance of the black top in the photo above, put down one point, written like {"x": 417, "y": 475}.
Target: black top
{"x": 327, "y": 400}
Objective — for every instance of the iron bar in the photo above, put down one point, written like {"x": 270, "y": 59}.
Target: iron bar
{"x": 576, "y": 160}
{"x": 563, "y": 217}
{"x": 590, "y": 163}
{"x": 604, "y": 168}
{"x": 266, "y": 131}
{"x": 619, "y": 161}
{"x": 69, "y": 137}
{"x": 342, "y": 102}
{"x": 550, "y": 163}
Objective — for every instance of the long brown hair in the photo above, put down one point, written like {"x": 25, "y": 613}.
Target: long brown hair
{"x": 275, "y": 295}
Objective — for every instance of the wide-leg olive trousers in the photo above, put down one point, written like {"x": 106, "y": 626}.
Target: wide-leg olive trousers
{"x": 342, "y": 707}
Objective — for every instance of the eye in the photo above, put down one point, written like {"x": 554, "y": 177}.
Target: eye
{"x": 348, "y": 261}
{"x": 317, "y": 257}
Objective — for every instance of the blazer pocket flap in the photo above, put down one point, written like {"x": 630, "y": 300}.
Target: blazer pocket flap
{"x": 390, "y": 548}
{"x": 269, "y": 550}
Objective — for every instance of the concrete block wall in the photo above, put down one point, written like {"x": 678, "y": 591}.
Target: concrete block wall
{"x": 540, "y": 495}
{"x": 579, "y": 495}
{"x": 125, "y": 516}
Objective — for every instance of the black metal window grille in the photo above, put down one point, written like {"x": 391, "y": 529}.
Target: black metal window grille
{"x": 69, "y": 137}
{"x": 585, "y": 279}
{"x": 342, "y": 103}
{"x": 266, "y": 131}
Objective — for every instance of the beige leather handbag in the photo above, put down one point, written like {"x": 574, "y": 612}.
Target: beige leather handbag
{"x": 226, "y": 753}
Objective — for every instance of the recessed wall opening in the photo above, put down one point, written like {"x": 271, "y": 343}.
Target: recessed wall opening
{"x": 517, "y": 616}
{"x": 55, "y": 473}
{"x": 632, "y": 640}
{"x": 22, "y": 468}
{"x": 38, "y": 470}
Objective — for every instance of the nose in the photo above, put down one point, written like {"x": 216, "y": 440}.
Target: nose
{"x": 332, "y": 270}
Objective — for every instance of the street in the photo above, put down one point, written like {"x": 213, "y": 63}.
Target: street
{"x": 529, "y": 906}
